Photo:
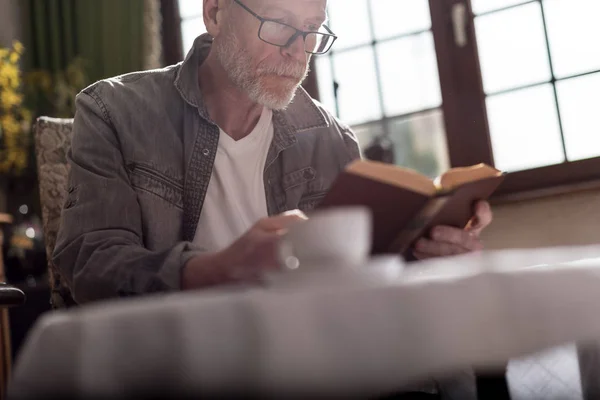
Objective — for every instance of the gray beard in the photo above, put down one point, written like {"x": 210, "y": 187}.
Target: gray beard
{"x": 236, "y": 62}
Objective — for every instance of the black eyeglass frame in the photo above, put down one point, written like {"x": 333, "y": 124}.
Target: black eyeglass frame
{"x": 298, "y": 33}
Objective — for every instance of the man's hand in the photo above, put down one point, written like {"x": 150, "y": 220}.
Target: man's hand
{"x": 246, "y": 259}
{"x": 449, "y": 241}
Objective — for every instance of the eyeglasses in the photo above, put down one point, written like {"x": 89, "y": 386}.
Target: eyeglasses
{"x": 283, "y": 35}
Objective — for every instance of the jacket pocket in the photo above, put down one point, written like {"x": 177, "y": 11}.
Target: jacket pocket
{"x": 147, "y": 179}
{"x": 299, "y": 177}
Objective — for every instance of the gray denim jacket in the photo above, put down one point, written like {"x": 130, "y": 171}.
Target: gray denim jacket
{"x": 141, "y": 159}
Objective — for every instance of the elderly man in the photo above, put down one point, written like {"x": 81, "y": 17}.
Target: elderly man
{"x": 184, "y": 178}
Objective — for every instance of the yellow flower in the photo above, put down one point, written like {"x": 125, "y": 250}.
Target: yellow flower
{"x": 14, "y": 119}
{"x": 9, "y": 99}
{"x": 10, "y": 71}
{"x": 14, "y": 58}
{"x": 9, "y": 125}
{"x": 18, "y": 46}
{"x": 9, "y": 77}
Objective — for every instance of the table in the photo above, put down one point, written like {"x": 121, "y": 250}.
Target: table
{"x": 356, "y": 334}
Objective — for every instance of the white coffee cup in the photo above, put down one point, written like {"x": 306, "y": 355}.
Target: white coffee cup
{"x": 335, "y": 237}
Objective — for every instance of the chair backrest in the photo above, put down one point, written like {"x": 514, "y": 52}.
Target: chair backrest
{"x": 52, "y": 142}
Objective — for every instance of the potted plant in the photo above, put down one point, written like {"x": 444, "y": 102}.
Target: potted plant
{"x": 15, "y": 118}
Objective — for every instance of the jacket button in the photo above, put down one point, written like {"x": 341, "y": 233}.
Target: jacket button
{"x": 309, "y": 174}
{"x": 206, "y": 152}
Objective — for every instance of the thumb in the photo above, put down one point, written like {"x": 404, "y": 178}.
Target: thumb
{"x": 483, "y": 217}
{"x": 282, "y": 221}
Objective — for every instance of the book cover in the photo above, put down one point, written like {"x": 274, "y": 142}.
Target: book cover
{"x": 405, "y": 205}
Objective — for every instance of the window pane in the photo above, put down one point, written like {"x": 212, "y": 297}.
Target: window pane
{"x": 579, "y": 100}
{"x": 397, "y": 17}
{"x": 482, "y": 6}
{"x": 190, "y": 8}
{"x": 409, "y": 74}
{"x": 524, "y": 129}
{"x": 420, "y": 143}
{"x": 574, "y": 34}
{"x": 190, "y": 30}
{"x": 325, "y": 82}
{"x": 512, "y": 48}
{"x": 358, "y": 99}
{"x": 350, "y": 22}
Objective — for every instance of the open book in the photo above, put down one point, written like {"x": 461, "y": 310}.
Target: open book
{"x": 405, "y": 204}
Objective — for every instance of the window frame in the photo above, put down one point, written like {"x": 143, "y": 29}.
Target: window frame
{"x": 465, "y": 111}
{"x": 373, "y": 45}
{"x": 562, "y": 177}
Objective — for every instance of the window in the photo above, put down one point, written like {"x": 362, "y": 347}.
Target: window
{"x": 541, "y": 80}
{"x": 362, "y": 77}
{"x": 192, "y": 22}
{"x": 511, "y": 82}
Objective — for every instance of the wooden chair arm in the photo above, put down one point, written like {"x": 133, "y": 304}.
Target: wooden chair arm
{"x": 5, "y": 219}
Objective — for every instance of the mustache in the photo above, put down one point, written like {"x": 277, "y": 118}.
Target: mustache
{"x": 295, "y": 70}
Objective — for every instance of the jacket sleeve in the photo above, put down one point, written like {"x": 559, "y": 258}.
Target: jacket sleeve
{"x": 351, "y": 142}
{"x": 99, "y": 248}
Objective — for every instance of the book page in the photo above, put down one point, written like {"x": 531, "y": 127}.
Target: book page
{"x": 393, "y": 175}
{"x": 456, "y": 177}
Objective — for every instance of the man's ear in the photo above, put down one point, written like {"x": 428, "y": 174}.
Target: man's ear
{"x": 213, "y": 15}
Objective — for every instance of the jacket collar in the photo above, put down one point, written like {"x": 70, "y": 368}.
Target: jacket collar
{"x": 301, "y": 115}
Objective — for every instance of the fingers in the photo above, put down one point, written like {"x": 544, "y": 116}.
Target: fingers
{"x": 264, "y": 252}
{"x": 422, "y": 256}
{"x": 426, "y": 248}
{"x": 454, "y": 236}
{"x": 447, "y": 241}
{"x": 281, "y": 221}
{"x": 483, "y": 217}
{"x": 259, "y": 256}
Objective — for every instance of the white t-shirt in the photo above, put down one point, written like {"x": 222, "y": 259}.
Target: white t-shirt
{"x": 236, "y": 198}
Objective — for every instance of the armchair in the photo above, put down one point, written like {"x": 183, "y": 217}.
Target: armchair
{"x": 52, "y": 142}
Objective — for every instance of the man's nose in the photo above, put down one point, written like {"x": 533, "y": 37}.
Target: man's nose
{"x": 296, "y": 49}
